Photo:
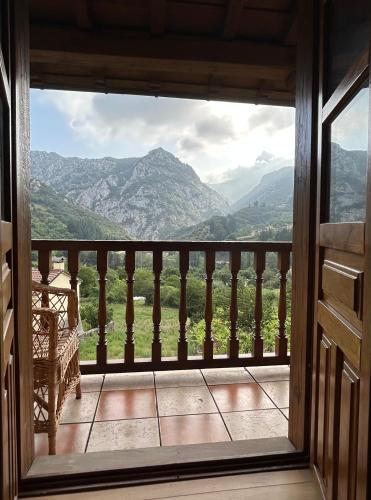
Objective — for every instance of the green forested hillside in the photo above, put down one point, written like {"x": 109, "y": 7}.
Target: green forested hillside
{"x": 53, "y": 217}
{"x": 247, "y": 223}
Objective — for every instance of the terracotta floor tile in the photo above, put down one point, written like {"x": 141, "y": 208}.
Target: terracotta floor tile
{"x": 215, "y": 376}
{"x": 80, "y": 410}
{"x": 136, "y": 403}
{"x": 185, "y": 401}
{"x": 122, "y": 381}
{"x": 91, "y": 383}
{"x": 278, "y": 392}
{"x": 239, "y": 397}
{"x": 256, "y": 424}
{"x": 285, "y": 411}
{"x": 270, "y": 373}
{"x": 71, "y": 438}
{"x": 124, "y": 435}
{"x": 193, "y": 429}
{"x": 179, "y": 378}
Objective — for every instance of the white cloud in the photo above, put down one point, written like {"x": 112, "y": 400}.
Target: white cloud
{"x": 211, "y": 136}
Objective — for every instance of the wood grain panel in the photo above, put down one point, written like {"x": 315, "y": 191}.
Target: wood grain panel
{"x": 343, "y": 284}
{"x": 6, "y": 289}
{"x": 323, "y": 393}
{"x": 346, "y": 236}
{"x": 353, "y": 260}
{"x": 8, "y": 334}
{"x": 6, "y": 237}
{"x": 348, "y": 433}
{"x": 341, "y": 332}
{"x": 336, "y": 358}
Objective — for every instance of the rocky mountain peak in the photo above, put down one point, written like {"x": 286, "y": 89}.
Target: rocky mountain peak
{"x": 148, "y": 197}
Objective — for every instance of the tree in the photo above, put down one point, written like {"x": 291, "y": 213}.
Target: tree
{"x": 89, "y": 314}
{"x": 89, "y": 282}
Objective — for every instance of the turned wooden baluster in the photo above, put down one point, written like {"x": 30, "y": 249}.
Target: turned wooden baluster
{"x": 156, "y": 311}
{"x": 283, "y": 264}
{"x": 44, "y": 265}
{"x": 209, "y": 270}
{"x": 183, "y": 270}
{"x": 73, "y": 267}
{"x": 102, "y": 258}
{"x": 129, "y": 316}
{"x": 234, "y": 342}
{"x": 259, "y": 266}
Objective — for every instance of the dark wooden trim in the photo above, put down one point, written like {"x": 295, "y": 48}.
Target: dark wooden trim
{"x": 165, "y": 246}
{"x": 304, "y": 225}
{"x": 4, "y": 80}
{"x": 119, "y": 366}
{"x": 348, "y": 86}
{"x": 364, "y": 424}
{"x": 22, "y": 232}
{"x": 319, "y": 210}
{"x": 346, "y": 236}
{"x": 232, "y": 18}
{"x": 57, "y": 44}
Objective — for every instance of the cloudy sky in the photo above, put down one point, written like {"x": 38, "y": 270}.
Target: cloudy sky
{"x": 213, "y": 137}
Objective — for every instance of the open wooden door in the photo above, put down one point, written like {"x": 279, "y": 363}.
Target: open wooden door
{"x": 15, "y": 352}
{"x": 342, "y": 334}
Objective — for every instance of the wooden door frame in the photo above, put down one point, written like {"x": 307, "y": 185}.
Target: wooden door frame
{"x": 347, "y": 88}
{"x": 304, "y": 229}
{"x": 22, "y": 232}
{"x": 303, "y": 239}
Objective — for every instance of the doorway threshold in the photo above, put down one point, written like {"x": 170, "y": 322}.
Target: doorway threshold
{"x": 90, "y": 471}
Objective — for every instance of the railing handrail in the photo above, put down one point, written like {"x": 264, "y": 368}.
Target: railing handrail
{"x": 164, "y": 245}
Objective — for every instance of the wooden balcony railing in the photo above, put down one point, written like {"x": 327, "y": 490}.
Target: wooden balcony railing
{"x": 45, "y": 248}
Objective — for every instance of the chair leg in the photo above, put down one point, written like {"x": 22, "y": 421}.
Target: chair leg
{"x": 52, "y": 435}
{"x": 52, "y": 416}
{"x": 78, "y": 391}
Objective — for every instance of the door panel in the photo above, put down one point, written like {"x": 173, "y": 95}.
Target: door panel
{"x": 343, "y": 253}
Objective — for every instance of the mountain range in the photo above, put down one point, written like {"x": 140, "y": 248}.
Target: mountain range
{"x": 155, "y": 197}
{"x": 149, "y": 197}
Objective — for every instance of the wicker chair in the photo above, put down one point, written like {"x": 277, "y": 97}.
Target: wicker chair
{"x": 55, "y": 355}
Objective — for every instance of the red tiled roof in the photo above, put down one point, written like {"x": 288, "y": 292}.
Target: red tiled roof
{"x": 36, "y": 275}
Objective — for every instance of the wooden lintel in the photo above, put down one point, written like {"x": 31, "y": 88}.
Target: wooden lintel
{"x": 157, "y": 17}
{"x": 232, "y": 18}
{"x": 60, "y": 45}
{"x": 156, "y": 87}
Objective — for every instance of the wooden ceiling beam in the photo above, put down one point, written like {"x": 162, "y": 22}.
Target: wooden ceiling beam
{"x": 83, "y": 14}
{"x": 232, "y": 19}
{"x": 158, "y": 17}
{"x": 63, "y": 45}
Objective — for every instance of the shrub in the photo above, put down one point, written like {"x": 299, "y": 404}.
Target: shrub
{"x": 89, "y": 314}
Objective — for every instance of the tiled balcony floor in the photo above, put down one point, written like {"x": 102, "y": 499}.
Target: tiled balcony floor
{"x": 140, "y": 410}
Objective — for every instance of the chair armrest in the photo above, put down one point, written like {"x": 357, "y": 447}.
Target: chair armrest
{"x": 38, "y": 287}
